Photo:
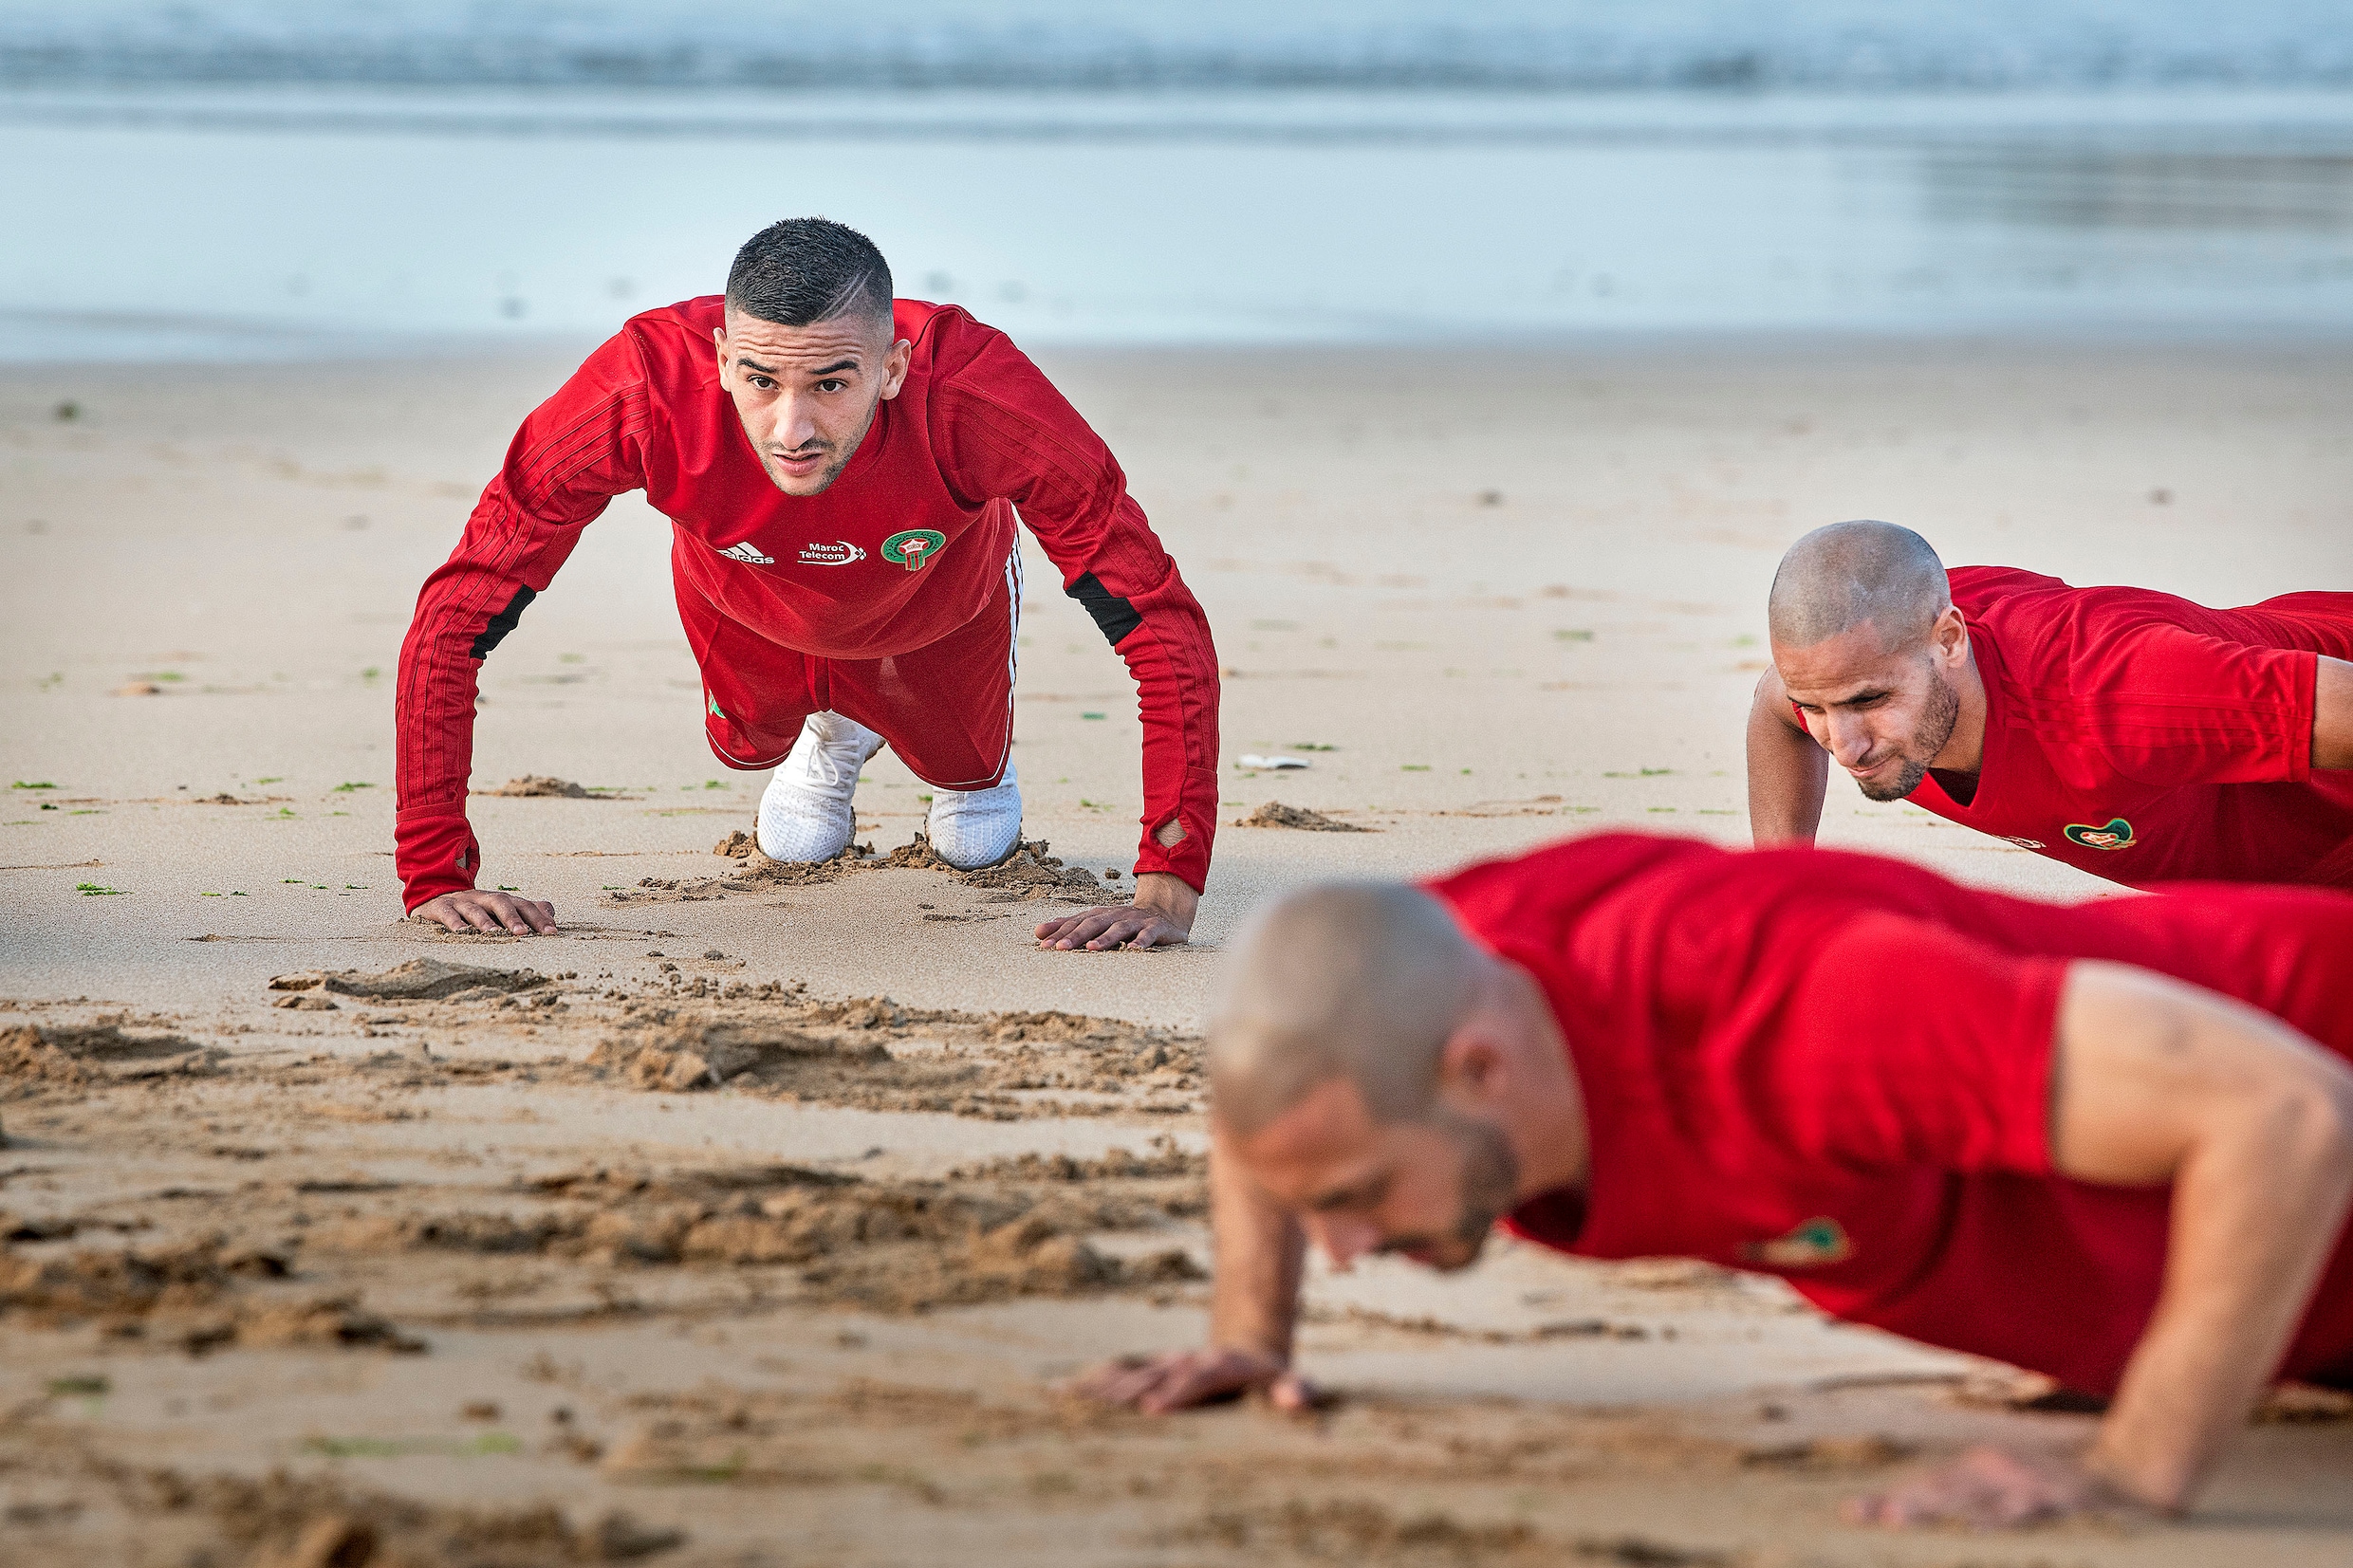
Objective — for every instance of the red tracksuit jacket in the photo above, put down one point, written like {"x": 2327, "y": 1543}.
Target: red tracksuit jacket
{"x": 974, "y": 425}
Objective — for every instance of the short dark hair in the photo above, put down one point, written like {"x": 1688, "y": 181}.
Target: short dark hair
{"x": 802, "y": 271}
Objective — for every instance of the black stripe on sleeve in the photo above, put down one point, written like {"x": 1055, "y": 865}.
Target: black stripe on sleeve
{"x": 502, "y": 623}
{"x": 1116, "y": 615}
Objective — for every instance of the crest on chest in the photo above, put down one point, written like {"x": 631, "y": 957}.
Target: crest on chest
{"x": 1814, "y": 1244}
{"x": 2116, "y": 834}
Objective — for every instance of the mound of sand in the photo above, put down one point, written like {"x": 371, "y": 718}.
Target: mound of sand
{"x": 696, "y": 1055}
{"x": 1275, "y": 814}
{"x": 28, "y": 1060}
{"x": 182, "y": 1295}
{"x": 758, "y": 874}
{"x": 419, "y": 980}
{"x": 894, "y": 1246}
{"x": 1029, "y": 872}
{"x": 316, "y": 1523}
{"x": 542, "y": 785}
{"x": 1167, "y": 1158}
{"x": 105, "y": 1284}
{"x": 1348, "y": 1530}
{"x": 33, "y": 1057}
{"x": 997, "y": 1066}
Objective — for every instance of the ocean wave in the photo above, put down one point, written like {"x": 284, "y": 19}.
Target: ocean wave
{"x": 1222, "y": 45}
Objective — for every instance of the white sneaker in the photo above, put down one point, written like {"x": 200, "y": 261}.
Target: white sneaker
{"x": 806, "y": 811}
{"x": 978, "y": 827}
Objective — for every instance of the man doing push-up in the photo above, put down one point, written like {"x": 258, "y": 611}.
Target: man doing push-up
{"x": 845, "y": 475}
{"x": 2112, "y": 1143}
{"x": 2129, "y": 733}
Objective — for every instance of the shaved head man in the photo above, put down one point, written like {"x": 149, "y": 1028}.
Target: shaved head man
{"x": 2132, "y": 734}
{"x": 1880, "y": 590}
{"x": 1920, "y": 1104}
{"x": 1361, "y": 985}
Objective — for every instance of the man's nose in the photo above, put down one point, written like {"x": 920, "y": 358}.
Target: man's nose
{"x": 796, "y": 420}
{"x": 1847, "y": 738}
{"x": 1344, "y": 1240}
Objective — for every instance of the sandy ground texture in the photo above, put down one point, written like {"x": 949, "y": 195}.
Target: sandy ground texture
{"x": 752, "y": 1219}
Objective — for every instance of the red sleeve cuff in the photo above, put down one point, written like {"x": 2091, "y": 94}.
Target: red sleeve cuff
{"x": 2306, "y": 687}
{"x": 435, "y": 853}
{"x": 1188, "y": 858}
{"x": 2021, "y": 1141}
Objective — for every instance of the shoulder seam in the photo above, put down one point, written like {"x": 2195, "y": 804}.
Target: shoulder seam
{"x": 1040, "y": 433}
{"x": 579, "y": 437}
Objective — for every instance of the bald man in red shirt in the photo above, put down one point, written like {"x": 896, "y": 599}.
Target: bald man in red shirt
{"x": 2112, "y": 1143}
{"x": 844, "y": 476}
{"x": 2133, "y": 734}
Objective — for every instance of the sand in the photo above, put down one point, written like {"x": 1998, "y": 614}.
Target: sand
{"x": 754, "y": 1218}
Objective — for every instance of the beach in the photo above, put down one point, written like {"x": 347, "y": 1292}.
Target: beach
{"x": 754, "y": 1218}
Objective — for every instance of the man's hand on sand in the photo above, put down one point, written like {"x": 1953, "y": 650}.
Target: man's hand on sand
{"x": 472, "y": 909}
{"x": 1179, "y": 1380}
{"x": 1992, "y": 1489}
{"x": 1161, "y": 916}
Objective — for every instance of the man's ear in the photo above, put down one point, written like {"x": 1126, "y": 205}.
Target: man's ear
{"x": 894, "y": 365}
{"x": 1950, "y": 635}
{"x": 1473, "y": 1067}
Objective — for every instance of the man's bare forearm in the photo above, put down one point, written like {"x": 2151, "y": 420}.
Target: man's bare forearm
{"x": 2255, "y": 1217}
{"x": 2332, "y": 714}
{"x": 2260, "y": 1193}
{"x": 1260, "y": 1249}
{"x": 1787, "y": 772}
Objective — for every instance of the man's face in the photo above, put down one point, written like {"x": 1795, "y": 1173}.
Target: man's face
{"x": 1428, "y": 1190}
{"x": 806, "y": 394}
{"x": 1882, "y": 713}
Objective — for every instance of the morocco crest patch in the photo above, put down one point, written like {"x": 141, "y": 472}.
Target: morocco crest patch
{"x": 912, "y": 547}
{"x": 1818, "y": 1241}
{"x": 2117, "y": 835}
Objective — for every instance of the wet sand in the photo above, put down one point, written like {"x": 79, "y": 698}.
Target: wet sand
{"x": 751, "y": 1220}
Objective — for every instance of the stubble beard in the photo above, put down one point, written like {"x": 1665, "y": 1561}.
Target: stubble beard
{"x": 1938, "y": 719}
{"x": 1490, "y": 1182}
{"x": 825, "y": 479}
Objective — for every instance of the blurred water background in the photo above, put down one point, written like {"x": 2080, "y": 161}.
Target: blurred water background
{"x": 256, "y": 178}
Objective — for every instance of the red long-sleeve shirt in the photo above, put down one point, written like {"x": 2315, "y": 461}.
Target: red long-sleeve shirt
{"x": 974, "y": 424}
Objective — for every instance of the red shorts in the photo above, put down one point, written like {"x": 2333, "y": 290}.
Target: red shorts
{"x": 947, "y": 707}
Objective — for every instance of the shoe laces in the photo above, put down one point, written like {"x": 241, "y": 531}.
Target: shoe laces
{"x": 836, "y": 762}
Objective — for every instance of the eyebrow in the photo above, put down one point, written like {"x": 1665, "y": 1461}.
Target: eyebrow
{"x": 758, "y": 368}
{"x": 1365, "y": 1191}
{"x": 1867, "y": 694}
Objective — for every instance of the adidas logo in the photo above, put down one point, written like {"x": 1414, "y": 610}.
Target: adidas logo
{"x": 746, "y": 553}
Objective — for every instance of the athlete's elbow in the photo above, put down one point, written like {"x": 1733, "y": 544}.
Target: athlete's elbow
{"x": 2330, "y": 1120}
